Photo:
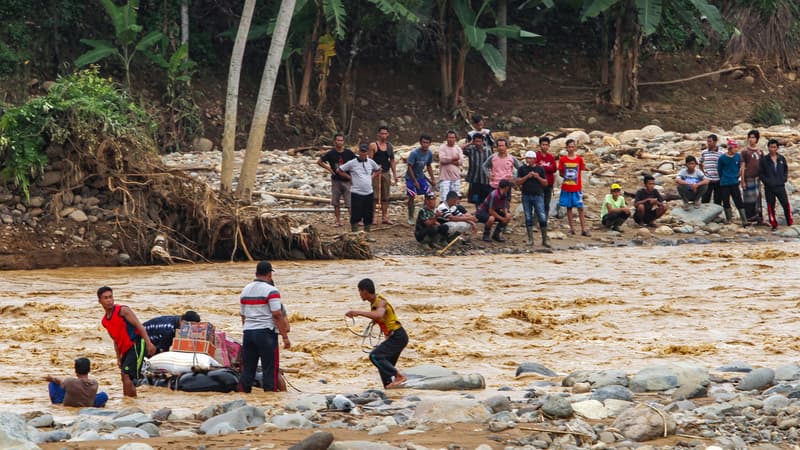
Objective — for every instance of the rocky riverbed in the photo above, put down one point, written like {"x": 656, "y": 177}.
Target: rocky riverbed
{"x": 669, "y": 405}
{"x": 621, "y": 157}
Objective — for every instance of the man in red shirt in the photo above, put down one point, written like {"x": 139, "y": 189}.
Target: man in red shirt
{"x": 548, "y": 162}
{"x": 131, "y": 342}
{"x": 570, "y": 167}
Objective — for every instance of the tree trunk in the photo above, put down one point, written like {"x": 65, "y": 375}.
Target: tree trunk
{"x": 232, "y": 96}
{"x": 291, "y": 93}
{"x": 604, "y": 51}
{"x": 308, "y": 65}
{"x": 618, "y": 75}
{"x": 264, "y": 100}
{"x": 185, "y": 22}
{"x": 633, "y": 60}
{"x": 461, "y": 66}
{"x": 347, "y": 94}
{"x": 502, "y": 20}
{"x": 445, "y": 55}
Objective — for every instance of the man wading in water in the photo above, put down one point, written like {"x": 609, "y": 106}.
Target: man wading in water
{"x": 385, "y": 355}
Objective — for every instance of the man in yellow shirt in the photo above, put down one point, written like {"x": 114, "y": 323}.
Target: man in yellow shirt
{"x": 385, "y": 355}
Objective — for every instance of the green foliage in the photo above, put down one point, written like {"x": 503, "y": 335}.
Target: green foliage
{"x": 82, "y": 109}
{"x": 126, "y": 31}
{"x": 336, "y": 15}
{"x": 768, "y": 113}
{"x": 650, "y": 12}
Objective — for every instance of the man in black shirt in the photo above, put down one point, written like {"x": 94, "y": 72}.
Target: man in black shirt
{"x": 340, "y": 187}
{"x": 532, "y": 180}
{"x": 161, "y": 329}
{"x": 382, "y": 152}
{"x": 648, "y": 203}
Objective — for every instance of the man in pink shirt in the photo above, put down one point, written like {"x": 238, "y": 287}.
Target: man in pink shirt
{"x": 501, "y": 165}
{"x": 450, "y": 166}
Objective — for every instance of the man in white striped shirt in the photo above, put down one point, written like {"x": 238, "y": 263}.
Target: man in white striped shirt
{"x": 262, "y": 320}
{"x": 708, "y": 165}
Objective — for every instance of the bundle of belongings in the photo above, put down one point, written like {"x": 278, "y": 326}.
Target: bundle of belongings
{"x": 200, "y": 359}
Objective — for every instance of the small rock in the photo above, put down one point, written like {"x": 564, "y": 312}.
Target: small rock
{"x": 316, "y": 441}
{"x": 50, "y": 178}
{"x": 203, "y": 145}
{"x": 664, "y": 230}
{"x": 498, "y": 403}
{"x": 591, "y": 120}
{"x": 790, "y": 372}
{"x": 313, "y": 402}
{"x": 616, "y": 392}
{"x": 135, "y": 446}
{"x": 749, "y": 79}
{"x": 557, "y": 406}
{"x": 450, "y": 410}
{"x": 124, "y": 259}
{"x": 736, "y": 366}
{"x": 151, "y": 429}
{"x": 239, "y": 419}
{"x": 534, "y": 368}
{"x": 43, "y": 421}
{"x": 287, "y": 421}
{"x": 590, "y": 409}
{"x": 774, "y": 404}
{"x": 581, "y": 388}
{"x": 642, "y": 423}
{"x": 78, "y": 216}
{"x": 36, "y": 201}
{"x": 380, "y": 429}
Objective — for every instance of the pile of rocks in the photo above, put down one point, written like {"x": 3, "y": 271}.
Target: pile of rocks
{"x": 733, "y": 406}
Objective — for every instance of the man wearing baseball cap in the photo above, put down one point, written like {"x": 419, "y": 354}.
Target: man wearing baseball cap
{"x": 614, "y": 212}
{"x": 532, "y": 179}
{"x": 360, "y": 172}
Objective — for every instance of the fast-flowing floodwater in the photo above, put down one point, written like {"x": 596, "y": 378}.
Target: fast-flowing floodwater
{"x": 619, "y": 308}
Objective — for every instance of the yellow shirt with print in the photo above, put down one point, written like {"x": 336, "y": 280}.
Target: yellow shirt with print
{"x": 389, "y": 322}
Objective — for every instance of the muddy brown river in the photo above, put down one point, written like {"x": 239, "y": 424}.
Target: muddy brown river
{"x": 605, "y": 308}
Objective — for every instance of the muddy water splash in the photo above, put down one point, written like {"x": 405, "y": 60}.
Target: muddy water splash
{"x": 609, "y": 308}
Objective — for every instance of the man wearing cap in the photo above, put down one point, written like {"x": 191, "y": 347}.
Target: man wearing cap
{"x": 614, "y": 212}
{"x": 161, "y": 329}
{"x": 495, "y": 209}
{"x": 360, "y": 172}
{"x": 262, "y": 320}
{"x": 532, "y": 179}
{"x": 455, "y": 217}
{"x": 427, "y": 229}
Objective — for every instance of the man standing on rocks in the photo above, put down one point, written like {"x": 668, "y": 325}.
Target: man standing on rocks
{"x": 548, "y": 162}
{"x": 131, "y": 342}
{"x": 774, "y": 172}
{"x": 419, "y": 159}
{"x": 501, "y": 165}
{"x": 360, "y": 172}
{"x": 692, "y": 183}
{"x": 340, "y": 187}
{"x": 477, "y": 154}
{"x": 262, "y": 320}
{"x": 571, "y": 167}
{"x": 731, "y": 170}
{"x": 751, "y": 185}
{"x": 708, "y": 164}
{"x": 614, "y": 213}
{"x": 532, "y": 180}
{"x": 382, "y": 152}
{"x": 648, "y": 203}
{"x": 386, "y": 354}
{"x": 450, "y": 166}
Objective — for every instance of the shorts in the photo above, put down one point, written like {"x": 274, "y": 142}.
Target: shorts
{"x": 386, "y": 182}
{"x": 412, "y": 191}
{"x": 132, "y": 360}
{"x": 571, "y": 200}
{"x": 340, "y": 190}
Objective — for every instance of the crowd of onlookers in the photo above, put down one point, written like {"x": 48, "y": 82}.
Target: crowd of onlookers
{"x": 362, "y": 180}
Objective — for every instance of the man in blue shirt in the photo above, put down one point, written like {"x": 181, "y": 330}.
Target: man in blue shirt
{"x": 418, "y": 160}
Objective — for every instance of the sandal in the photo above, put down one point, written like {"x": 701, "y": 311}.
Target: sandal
{"x": 387, "y": 222}
{"x": 585, "y": 233}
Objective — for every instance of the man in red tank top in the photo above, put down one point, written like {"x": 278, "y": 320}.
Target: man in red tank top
{"x": 131, "y": 342}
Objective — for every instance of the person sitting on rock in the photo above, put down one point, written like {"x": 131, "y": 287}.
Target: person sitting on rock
{"x": 648, "y": 203}
{"x": 455, "y": 217}
{"x": 78, "y": 391}
{"x": 161, "y": 329}
{"x": 614, "y": 213}
{"x": 427, "y": 229}
{"x": 495, "y": 209}
{"x": 692, "y": 183}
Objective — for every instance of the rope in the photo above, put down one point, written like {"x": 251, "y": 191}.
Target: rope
{"x": 369, "y": 339}
{"x": 661, "y": 414}
{"x": 288, "y": 383}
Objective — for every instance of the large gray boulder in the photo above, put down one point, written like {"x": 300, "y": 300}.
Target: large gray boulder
{"x": 14, "y": 433}
{"x": 597, "y": 378}
{"x": 706, "y": 213}
{"x": 240, "y": 419}
{"x": 557, "y": 406}
{"x": 616, "y": 392}
{"x": 452, "y": 410}
{"x": 790, "y": 372}
{"x": 288, "y": 421}
{"x": 316, "y": 441}
{"x": 667, "y": 376}
{"x": 432, "y": 377}
{"x": 758, "y": 379}
{"x": 643, "y": 423}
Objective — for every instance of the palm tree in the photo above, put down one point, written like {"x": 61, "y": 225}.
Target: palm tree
{"x": 264, "y": 100}
{"x": 232, "y": 96}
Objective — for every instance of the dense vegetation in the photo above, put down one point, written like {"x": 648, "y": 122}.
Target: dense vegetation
{"x": 158, "y": 46}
